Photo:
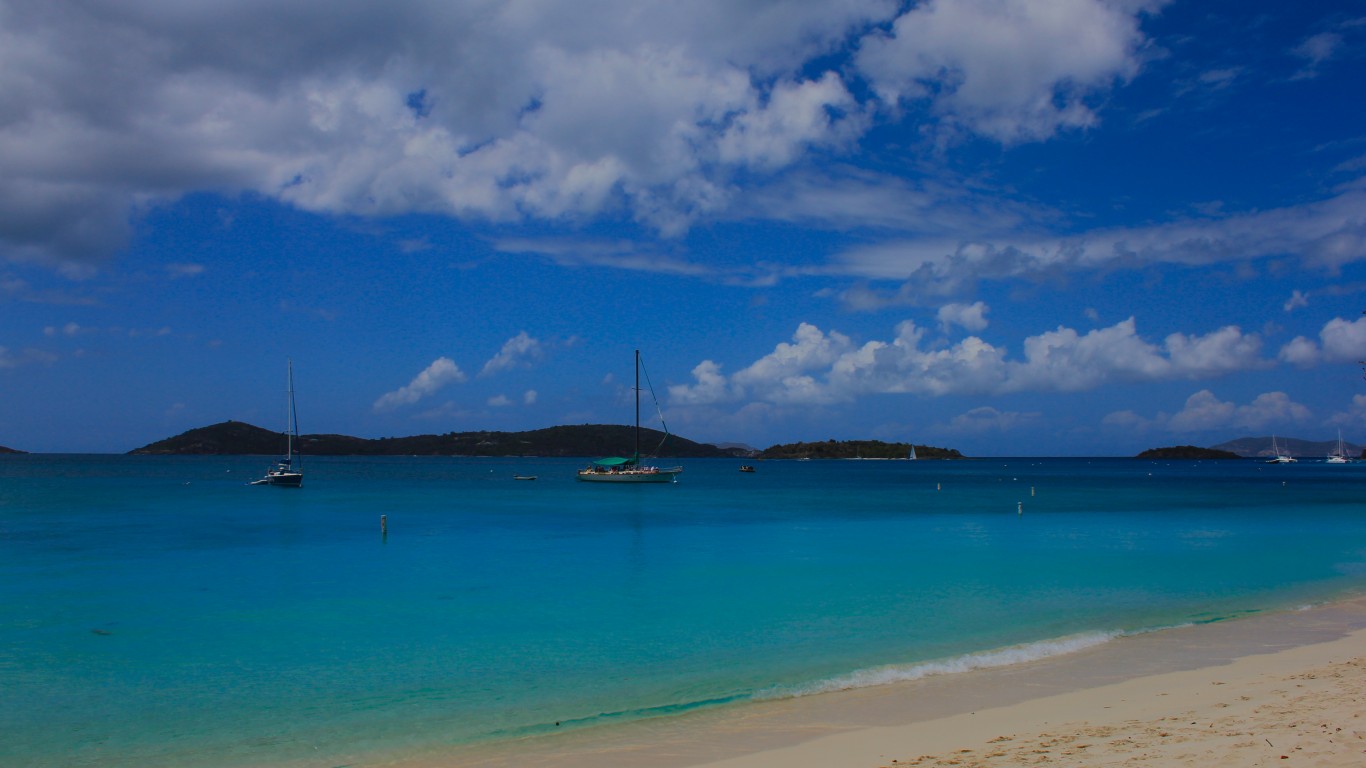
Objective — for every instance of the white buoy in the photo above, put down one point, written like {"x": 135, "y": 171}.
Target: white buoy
{"x": 1019, "y": 507}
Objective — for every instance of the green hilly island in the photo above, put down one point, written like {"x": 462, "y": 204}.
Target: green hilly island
{"x": 240, "y": 438}
{"x": 236, "y": 437}
{"x": 1187, "y": 452}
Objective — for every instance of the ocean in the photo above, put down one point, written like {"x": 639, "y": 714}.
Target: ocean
{"x": 158, "y": 611}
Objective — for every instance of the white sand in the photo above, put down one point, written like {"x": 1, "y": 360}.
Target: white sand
{"x": 1277, "y": 689}
{"x": 1301, "y": 707}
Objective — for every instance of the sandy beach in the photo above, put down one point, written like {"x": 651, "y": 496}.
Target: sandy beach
{"x": 1274, "y": 689}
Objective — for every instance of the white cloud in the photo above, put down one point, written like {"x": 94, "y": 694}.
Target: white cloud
{"x": 1204, "y": 411}
{"x": 533, "y": 109}
{"x": 499, "y": 401}
{"x": 1339, "y": 341}
{"x": 520, "y": 351}
{"x": 70, "y": 329}
{"x": 1297, "y": 299}
{"x": 1316, "y": 50}
{"x": 1343, "y": 340}
{"x": 529, "y": 397}
{"x": 825, "y": 368}
{"x": 440, "y": 373}
{"x": 1354, "y": 416}
{"x": 971, "y": 317}
{"x": 1014, "y": 70}
{"x": 1325, "y": 235}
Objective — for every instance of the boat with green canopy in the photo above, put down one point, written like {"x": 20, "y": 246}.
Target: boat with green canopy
{"x": 631, "y": 469}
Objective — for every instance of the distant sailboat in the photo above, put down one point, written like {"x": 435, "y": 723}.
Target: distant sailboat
{"x": 1277, "y": 456}
{"x": 288, "y": 472}
{"x": 628, "y": 469}
{"x": 1339, "y": 454}
{"x": 912, "y": 456}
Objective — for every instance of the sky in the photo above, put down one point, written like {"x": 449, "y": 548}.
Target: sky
{"x": 1010, "y": 227}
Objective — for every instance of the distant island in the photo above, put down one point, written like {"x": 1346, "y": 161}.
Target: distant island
{"x": 240, "y": 438}
{"x": 3, "y": 449}
{"x": 1187, "y": 452}
{"x": 855, "y": 449}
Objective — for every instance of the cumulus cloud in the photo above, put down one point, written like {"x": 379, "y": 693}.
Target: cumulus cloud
{"x": 520, "y": 351}
{"x": 638, "y": 108}
{"x": 440, "y": 373}
{"x": 461, "y": 108}
{"x": 971, "y": 317}
{"x": 819, "y": 367}
{"x": 1204, "y": 411}
{"x": 1354, "y": 416}
{"x": 1014, "y": 70}
{"x": 1339, "y": 341}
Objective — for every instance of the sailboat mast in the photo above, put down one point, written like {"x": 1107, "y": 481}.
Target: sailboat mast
{"x": 292, "y": 421}
{"x": 637, "y": 405}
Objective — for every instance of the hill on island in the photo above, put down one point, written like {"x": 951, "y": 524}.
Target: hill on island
{"x": 1187, "y": 452}
{"x": 856, "y": 449}
{"x": 3, "y": 449}
{"x": 1253, "y": 447}
{"x": 239, "y": 438}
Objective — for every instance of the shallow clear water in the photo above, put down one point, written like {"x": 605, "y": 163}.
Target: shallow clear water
{"x": 157, "y": 611}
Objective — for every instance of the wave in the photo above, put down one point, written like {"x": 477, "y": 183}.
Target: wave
{"x": 899, "y": 673}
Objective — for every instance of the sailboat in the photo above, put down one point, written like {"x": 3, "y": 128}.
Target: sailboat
{"x": 288, "y": 472}
{"x": 912, "y": 456}
{"x": 628, "y": 469}
{"x": 1339, "y": 454}
{"x": 1279, "y": 457}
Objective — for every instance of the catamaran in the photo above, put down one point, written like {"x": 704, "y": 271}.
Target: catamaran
{"x": 629, "y": 469}
{"x": 288, "y": 472}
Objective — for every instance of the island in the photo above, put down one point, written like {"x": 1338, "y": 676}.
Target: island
{"x": 856, "y": 449}
{"x": 240, "y": 438}
{"x": 1187, "y": 452}
{"x": 3, "y": 449}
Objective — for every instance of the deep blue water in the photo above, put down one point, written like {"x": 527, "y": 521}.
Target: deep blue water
{"x": 158, "y": 611}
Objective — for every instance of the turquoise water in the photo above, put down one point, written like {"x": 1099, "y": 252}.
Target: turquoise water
{"x": 158, "y": 612}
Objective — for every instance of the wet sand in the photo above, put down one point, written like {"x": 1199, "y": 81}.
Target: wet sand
{"x": 1271, "y": 689}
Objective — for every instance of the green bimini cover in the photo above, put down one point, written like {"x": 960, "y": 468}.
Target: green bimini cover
{"x": 617, "y": 461}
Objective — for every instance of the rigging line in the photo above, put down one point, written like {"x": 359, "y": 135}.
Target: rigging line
{"x": 658, "y": 412}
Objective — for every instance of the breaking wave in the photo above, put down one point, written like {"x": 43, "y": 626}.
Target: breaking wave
{"x": 1001, "y": 657}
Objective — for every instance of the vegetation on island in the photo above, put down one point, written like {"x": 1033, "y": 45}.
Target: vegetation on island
{"x": 856, "y": 449}
{"x": 239, "y": 438}
{"x": 3, "y": 449}
{"x": 1187, "y": 452}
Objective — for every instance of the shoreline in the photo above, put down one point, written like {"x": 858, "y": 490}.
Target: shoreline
{"x": 1110, "y": 696}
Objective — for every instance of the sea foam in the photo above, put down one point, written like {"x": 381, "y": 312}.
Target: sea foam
{"x": 1000, "y": 657}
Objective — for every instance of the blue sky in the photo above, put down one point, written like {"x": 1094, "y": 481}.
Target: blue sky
{"x": 1011, "y": 227}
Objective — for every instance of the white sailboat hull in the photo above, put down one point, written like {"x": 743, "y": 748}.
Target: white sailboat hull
{"x": 642, "y": 475}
